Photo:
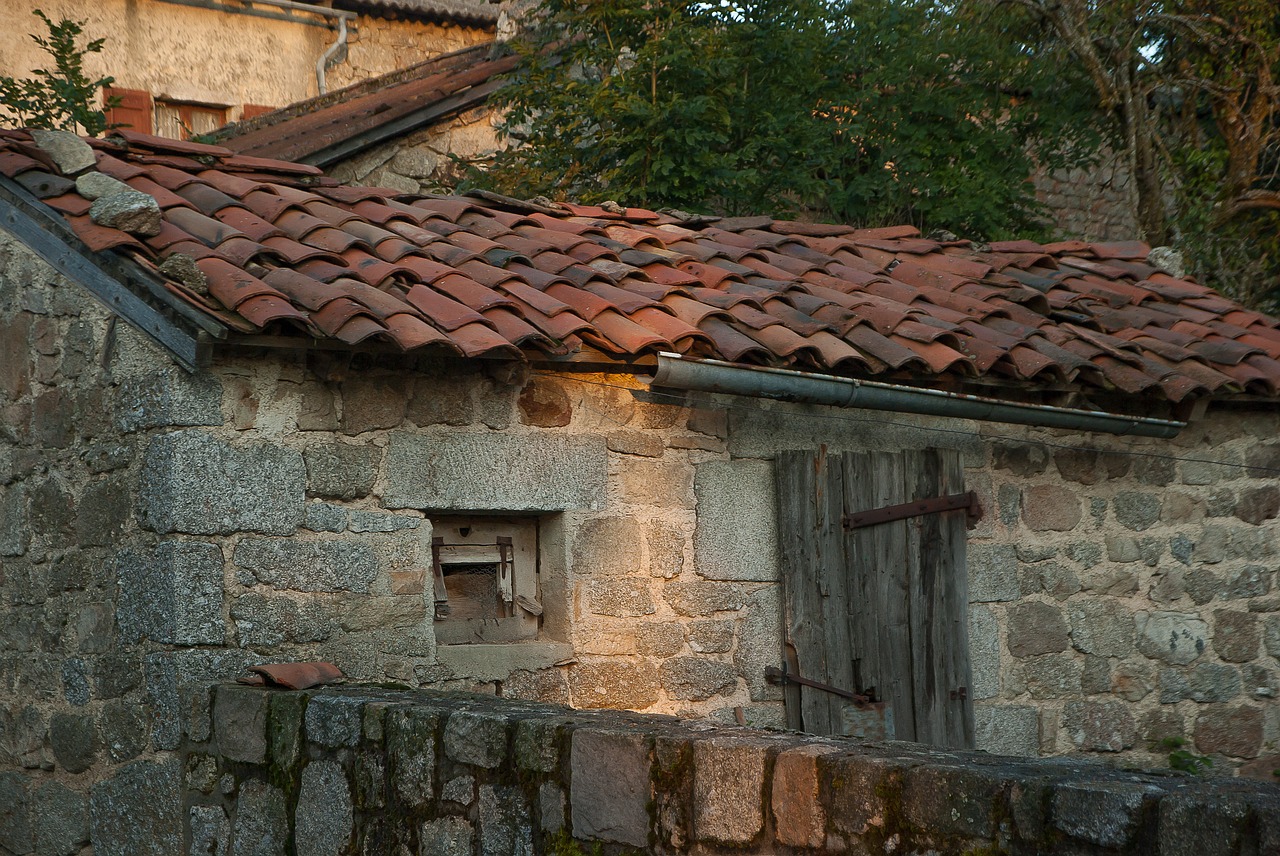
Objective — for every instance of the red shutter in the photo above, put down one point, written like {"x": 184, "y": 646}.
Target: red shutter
{"x": 133, "y": 111}
{"x": 253, "y": 111}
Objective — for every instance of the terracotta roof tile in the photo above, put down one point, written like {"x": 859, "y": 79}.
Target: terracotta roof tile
{"x": 286, "y": 248}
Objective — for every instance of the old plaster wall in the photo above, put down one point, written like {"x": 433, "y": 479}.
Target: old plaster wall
{"x": 215, "y": 57}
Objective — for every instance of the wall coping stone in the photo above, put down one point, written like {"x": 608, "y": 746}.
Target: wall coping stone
{"x": 665, "y": 785}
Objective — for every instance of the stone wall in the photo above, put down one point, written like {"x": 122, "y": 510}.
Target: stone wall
{"x": 359, "y": 770}
{"x": 1093, "y": 204}
{"x": 378, "y": 46}
{"x": 160, "y": 531}
{"x": 427, "y": 161}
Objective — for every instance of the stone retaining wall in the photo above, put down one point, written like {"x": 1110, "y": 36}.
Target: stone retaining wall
{"x": 365, "y": 771}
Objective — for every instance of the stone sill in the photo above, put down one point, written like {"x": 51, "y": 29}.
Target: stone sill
{"x": 496, "y": 662}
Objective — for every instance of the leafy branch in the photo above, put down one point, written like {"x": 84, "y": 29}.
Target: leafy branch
{"x": 61, "y": 98}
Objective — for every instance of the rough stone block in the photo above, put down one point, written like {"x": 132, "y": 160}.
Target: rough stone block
{"x": 323, "y": 818}
{"x": 537, "y": 744}
{"x": 1235, "y": 731}
{"x": 483, "y": 472}
{"x": 476, "y": 738}
{"x": 15, "y": 530}
{"x": 984, "y": 651}
{"x": 1099, "y": 726}
{"x": 609, "y": 788}
{"x": 544, "y": 403}
{"x": 335, "y": 721}
{"x": 621, "y": 598}
{"x": 1007, "y": 729}
{"x": 1202, "y": 824}
{"x": 195, "y": 483}
{"x": 60, "y": 820}
{"x": 711, "y": 637}
{"x": 138, "y": 812}
{"x": 265, "y": 620}
{"x": 1050, "y": 508}
{"x": 1108, "y": 814}
{"x": 736, "y": 536}
{"x": 1137, "y": 511}
{"x": 505, "y": 823}
{"x": 74, "y": 740}
{"x": 240, "y": 723}
{"x": 171, "y": 594}
{"x": 728, "y": 783}
{"x": 102, "y": 513}
{"x": 952, "y": 800}
{"x": 607, "y": 547}
{"x": 614, "y": 684}
{"x": 340, "y": 470}
{"x": 697, "y": 679}
{"x": 1102, "y": 627}
{"x": 550, "y": 807}
{"x": 15, "y": 813}
{"x": 1235, "y": 635}
{"x": 799, "y": 819}
{"x": 699, "y": 598}
{"x": 1173, "y": 637}
{"x": 324, "y": 517}
{"x": 309, "y": 565}
{"x": 446, "y": 836}
{"x": 660, "y": 639}
{"x": 377, "y": 521}
{"x": 1048, "y": 676}
{"x": 168, "y": 399}
{"x": 664, "y": 483}
{"x": 411, "y": 757}
{"x": 71, "y": 153}
{"x": 1036, "y": 628}
{"x": 993, "y": 573}
{"x": 210, "y": 830}
{"x": 370, "y": 404}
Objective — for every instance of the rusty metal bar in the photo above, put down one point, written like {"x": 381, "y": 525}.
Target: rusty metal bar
{"x": 967, "y": 501}
{"x": 782, "y": 677}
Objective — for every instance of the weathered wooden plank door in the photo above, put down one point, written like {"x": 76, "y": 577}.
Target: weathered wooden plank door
{"x": 883, "y": 606}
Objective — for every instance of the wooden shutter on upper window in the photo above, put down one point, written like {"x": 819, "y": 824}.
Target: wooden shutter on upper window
{"x": 133, "y": 111}
{"x": 253, "y": 111}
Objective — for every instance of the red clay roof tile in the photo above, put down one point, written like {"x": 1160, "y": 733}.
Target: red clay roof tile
{"x": 376, "y": 265}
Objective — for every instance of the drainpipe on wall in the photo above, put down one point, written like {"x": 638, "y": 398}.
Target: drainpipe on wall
{"x": 679, "y": 372}
{"x": 338, "y": 45}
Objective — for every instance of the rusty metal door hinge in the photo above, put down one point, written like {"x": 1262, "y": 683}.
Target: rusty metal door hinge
{"x": 967, "y": 501}
{"x": 960, "y": 694}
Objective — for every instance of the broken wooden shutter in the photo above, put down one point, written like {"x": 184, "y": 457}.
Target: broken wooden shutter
{"x": 882, "y": 606}
{"x": 133, "y": 111}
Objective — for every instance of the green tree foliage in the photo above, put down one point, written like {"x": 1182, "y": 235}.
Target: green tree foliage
{"x": 864, "y": 111}
{"x": 62, "y": 97}
{"x": 1190, "y": 89}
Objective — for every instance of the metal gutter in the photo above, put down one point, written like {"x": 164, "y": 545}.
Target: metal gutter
{"x": 288, "y": 5}
{"x": 680, "y": 372}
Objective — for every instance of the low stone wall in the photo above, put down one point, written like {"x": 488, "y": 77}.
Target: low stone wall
{"x": 374, "y": 771}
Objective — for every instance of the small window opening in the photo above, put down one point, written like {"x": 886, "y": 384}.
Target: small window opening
{"x": 486, "y": 583}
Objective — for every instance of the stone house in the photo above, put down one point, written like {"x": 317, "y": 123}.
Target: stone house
{"x": 407, "y": 129}
{"x": 250, "y": 413}
{"x": 183, "y": 67}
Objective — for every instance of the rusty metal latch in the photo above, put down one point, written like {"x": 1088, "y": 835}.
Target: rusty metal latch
{"x": 781, "y": 677}
{"x": 967, "y": 501}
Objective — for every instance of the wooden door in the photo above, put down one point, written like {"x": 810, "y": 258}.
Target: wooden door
{"x": 883, "y": 606}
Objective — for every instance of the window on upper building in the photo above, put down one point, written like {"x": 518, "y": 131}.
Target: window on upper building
{"x": 182, "y": 121}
